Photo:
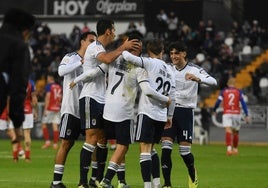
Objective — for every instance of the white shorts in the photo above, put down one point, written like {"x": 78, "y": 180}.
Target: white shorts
{"x": 3, "y": 125}
{"x": 28, "y": 122}
{"x": 231, "y": 120}
{"x": 51, "y": 117}
{"x": 10, "y": 125}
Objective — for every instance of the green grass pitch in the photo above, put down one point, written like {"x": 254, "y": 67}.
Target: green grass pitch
{"x": 215, "y": 170}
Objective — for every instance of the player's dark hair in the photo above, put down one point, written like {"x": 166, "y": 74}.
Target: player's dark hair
{"x": 55, "y": 76}
{"x": 103, "y": 25}
{"x": 156, "y": 46}
{"x": 179, "y": 46}
{"x": 137, "y": 36}
{"x": 84, "y": 35}
{"x": 134, "y": 35}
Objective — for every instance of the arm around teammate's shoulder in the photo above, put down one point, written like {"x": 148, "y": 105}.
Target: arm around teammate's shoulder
{"x": 89, "y": 74}
{"x": 109, "y": 57}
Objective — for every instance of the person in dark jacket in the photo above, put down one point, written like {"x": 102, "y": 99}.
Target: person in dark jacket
{"x": 15, "y": 62}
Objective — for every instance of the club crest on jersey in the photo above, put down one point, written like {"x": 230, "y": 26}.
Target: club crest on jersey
{"x": 68, "y": 132}
{"x": 66, "y": 60}
{"x": 93, "y": 122}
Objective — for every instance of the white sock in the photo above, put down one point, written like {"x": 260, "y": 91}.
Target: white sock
{"x": 147, "y": 185}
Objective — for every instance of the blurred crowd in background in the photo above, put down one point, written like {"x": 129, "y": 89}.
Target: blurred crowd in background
{"x": 221, "y": 53}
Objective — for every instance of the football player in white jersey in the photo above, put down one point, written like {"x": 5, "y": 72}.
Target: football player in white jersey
{"x": 70, "y": 67}
{"x": 123, "y": 82}
{"x": 152, "y": 117}
{"x": 187, "y": 76}
{"x": 92, "y": 97}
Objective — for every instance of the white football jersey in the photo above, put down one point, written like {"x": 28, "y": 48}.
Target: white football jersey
{"x": 96, "y": 87}
{"x": 70, "y": 67}
{"x": 123, "y": 80}
{"x": 186, "y": 90}
{"x": 162, "y": 79}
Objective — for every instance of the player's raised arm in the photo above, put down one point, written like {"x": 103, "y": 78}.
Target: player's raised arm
{"x": 109, "y": 57}
{"x": 202, "y": 77}
{"x": 89, "y": 74}
{"x": 136, "y": 60}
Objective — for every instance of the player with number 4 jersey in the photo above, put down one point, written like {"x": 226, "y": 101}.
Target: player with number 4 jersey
{"x": 187, "y": 76}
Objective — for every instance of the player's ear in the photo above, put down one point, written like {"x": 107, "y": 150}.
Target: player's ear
{"x": 108, "y": 31}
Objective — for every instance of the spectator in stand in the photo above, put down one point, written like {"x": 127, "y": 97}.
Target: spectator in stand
{"x": 201, "y": 29}
{"x": 75, "y": 36}
{"x": 53, "y": 67}
{"x": 216, "y": 69}
{"x": 46, "y": 30}
{"x": 85, "y": 28}
{"x": 227, "y": 74}
{"x": 172, "y": 23}
{"x": 255, "y": 34}
{"x": 210, "y": 28}
{"x": 256, "y": 77}
{"x": 162, "y": 24}
{"x": 205, "y": 117}
{"x": 208, "y": 43}
{"x": 141, "y": 28}
{"x": 186, "y": 31}
{"x": 236, "y": 30}
{"x": 131, "y": 27}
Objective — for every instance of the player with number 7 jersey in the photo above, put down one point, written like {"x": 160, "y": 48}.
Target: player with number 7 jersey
{"x": 124, "y": 81}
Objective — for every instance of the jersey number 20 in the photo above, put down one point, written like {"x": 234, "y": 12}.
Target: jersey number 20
{"x": 165, "y": 86}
